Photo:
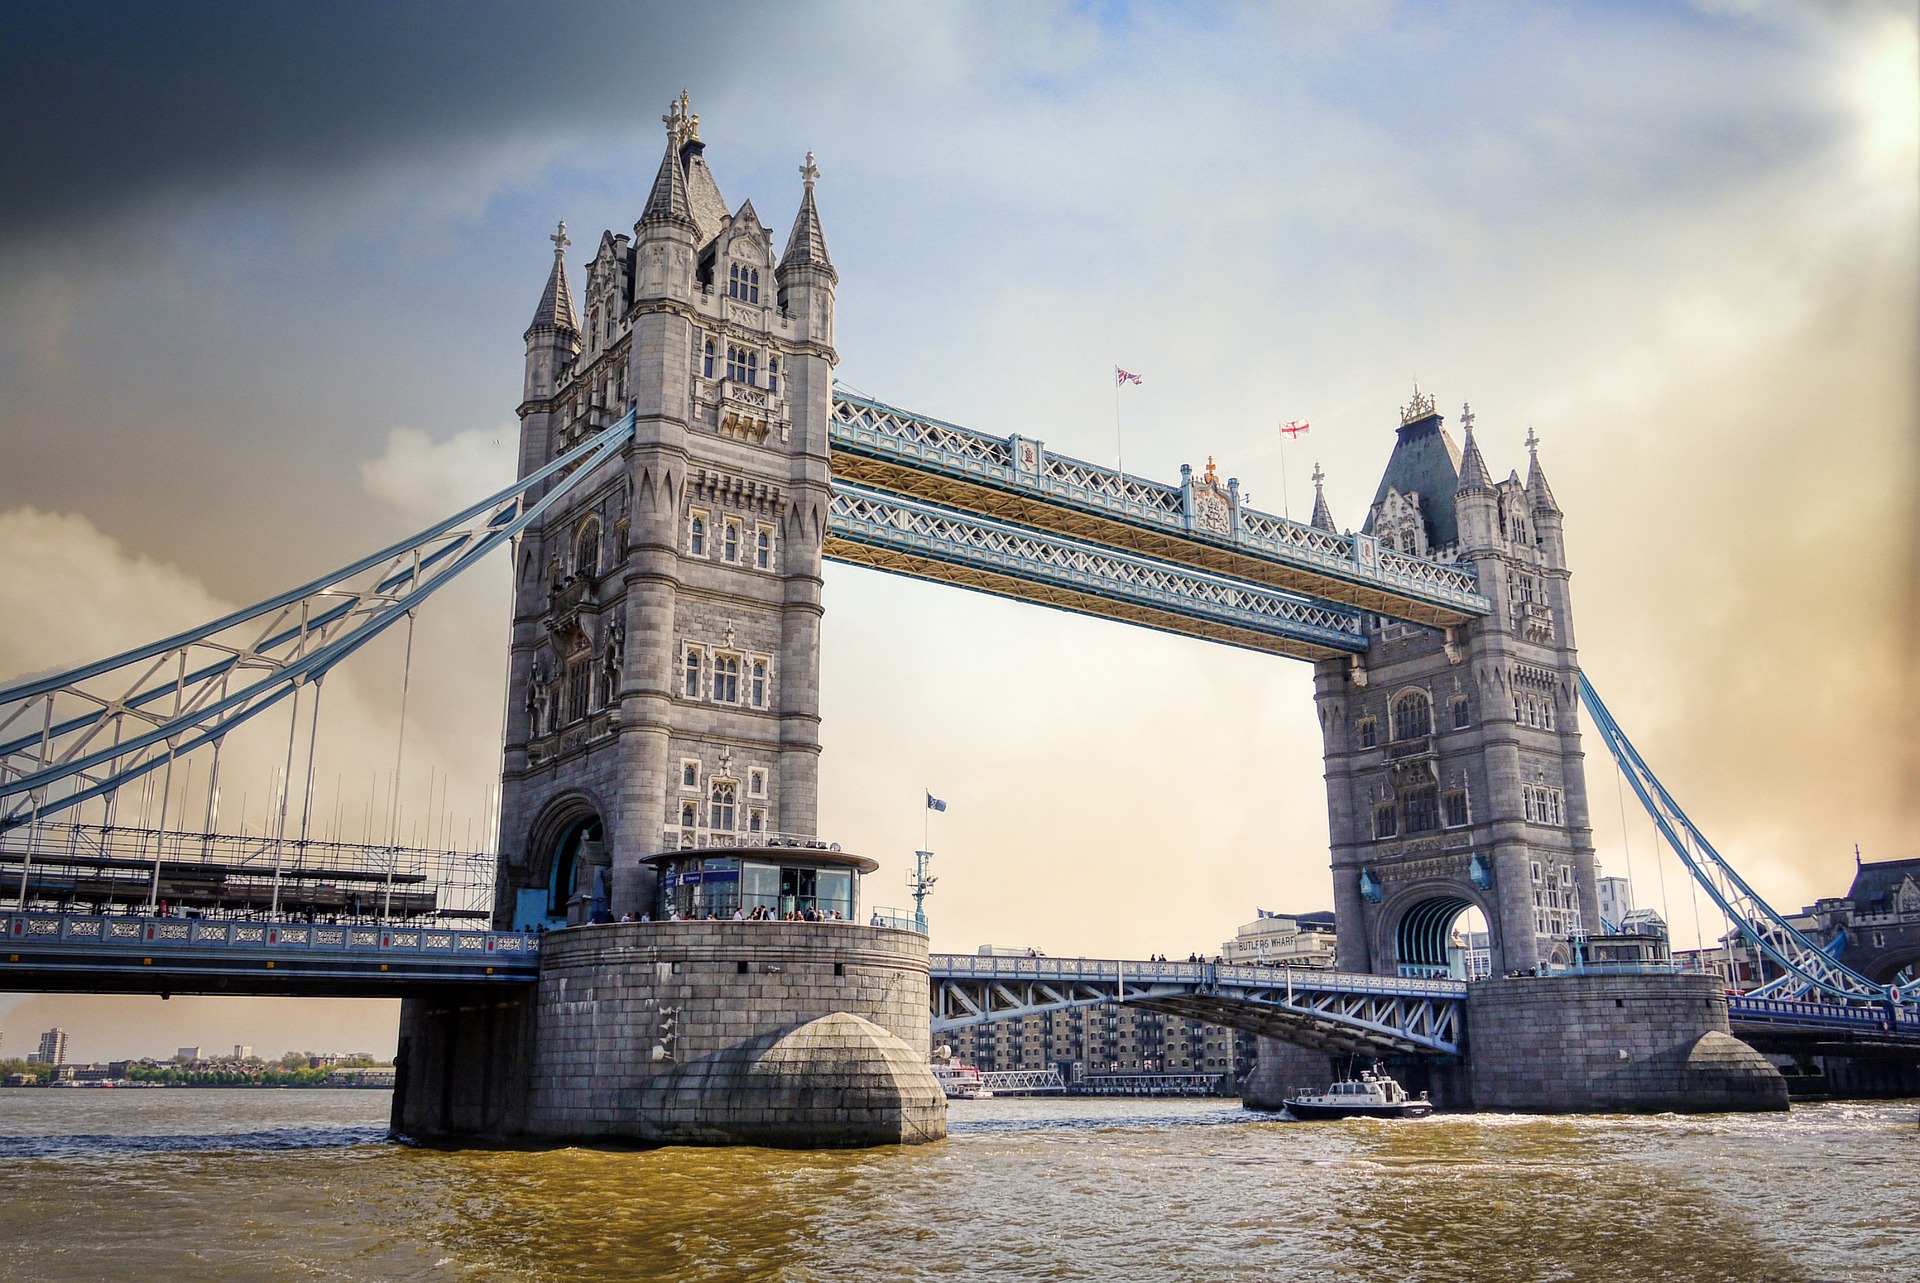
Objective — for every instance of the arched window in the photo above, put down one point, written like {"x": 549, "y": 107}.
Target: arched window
{"x": 773, "y": 374}
{"x": 697, "y": 540}
{"x": 1369, "y": 732}
{"x": 692, "y": 686}
{"x": 763, "y": 549}
{"x": 586, "y": 549}
{"x": 726, "y": 679}
{"x": 1412, "y": 716}
{"x": 730, "y": 543}
{"x": 721, "y": 806}
{"x": 706, "y": 360}
{"x": 757, "y": 687}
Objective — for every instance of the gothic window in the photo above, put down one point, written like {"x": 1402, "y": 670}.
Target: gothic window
{"x": 579, "y": 674}
{"x": 757, "y": 820}
{"x": 773, "y": 374}
{"x": 1460, "y": 716}
{"x": 720, "y": 806}
{"x": 757, "y": 684}
{"x": 726, "y": 679}
{"x": 706, "y": 360}
{"x": 743, "y": 365}
{"x": 743, "y": 283}
{"x": 692, "y": 687}
{"x": 689, "y": 815}
{"x": 730, "y": 543}
{"x": 697, "y": 536}
{"x": 763, "y": 549}
{"x": 1536, "y": 870}
{"x": 586, "y": 549}
{"x": 1423, "y": 810}
{"x": 1384, "y": 825}
{"x": 690, "y": 773}
{"x": 757, "y": 782}
{"x": 1456, "y": 808}
{"x": 1546, "y": 714}
{"x": 1369, "y": 732}
{"x": 1412, "y": 716}
{"x": 1519, "y": 713}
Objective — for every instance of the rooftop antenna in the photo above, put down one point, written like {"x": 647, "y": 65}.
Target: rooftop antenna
{"x": 920, "y": 881}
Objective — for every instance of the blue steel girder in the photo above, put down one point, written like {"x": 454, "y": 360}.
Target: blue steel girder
{"x": 1328, "y": 1010}
{"x": 1015, "y": 479}
{"x": 889, "y": 532}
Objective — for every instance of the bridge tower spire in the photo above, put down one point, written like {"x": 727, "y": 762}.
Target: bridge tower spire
{"x": 664, "y": 688}
{"x": 1454, "y": 769}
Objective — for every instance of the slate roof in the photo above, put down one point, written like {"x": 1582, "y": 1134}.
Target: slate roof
{"x": 1880, "y": 880}
{"x": 703, "y": 193}
{"x": 668, "y": 201}
{"x": 556, "y": 301}
{"x": 807, "y": 243}
{"x": 1426, "y": 460}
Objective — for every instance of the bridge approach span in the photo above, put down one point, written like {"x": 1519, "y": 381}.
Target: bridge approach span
{"x": 1329, "y": 1010}
{"x": 93, "y": 953}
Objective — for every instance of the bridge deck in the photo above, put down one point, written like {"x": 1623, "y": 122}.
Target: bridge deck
{"x": 92, "y": 953}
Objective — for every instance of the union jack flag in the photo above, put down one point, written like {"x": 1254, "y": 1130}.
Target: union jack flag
{"x": 1121, "y": 378}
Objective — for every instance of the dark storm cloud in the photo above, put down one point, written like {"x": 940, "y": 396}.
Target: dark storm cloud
{"x": 106, "y": 106}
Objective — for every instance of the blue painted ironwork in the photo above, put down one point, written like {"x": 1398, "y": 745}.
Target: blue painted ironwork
{"x": 907, "y": 536}
{"x": 1015, "y": 478}
{"x": 93, "y": 953}
{"x": 1812, "y": 969}
{"x": 81, "y": 734}
{"x": 1337, "y": 1010}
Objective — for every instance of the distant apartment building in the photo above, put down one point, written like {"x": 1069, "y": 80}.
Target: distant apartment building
{"x": 187, "y": 1054}
{"x": 53, "y": 1049}
{"x": 242, "y": 1052}
{"x": 1616, "y": 902}
{"x": 1282, "y": 940}
{"x": 1111, "y": 1038}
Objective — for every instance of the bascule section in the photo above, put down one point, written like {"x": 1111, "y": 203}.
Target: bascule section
{"x": 1453, "y": 762}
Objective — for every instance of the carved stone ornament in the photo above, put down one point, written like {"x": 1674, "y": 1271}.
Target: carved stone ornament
{"x": 1212, "y": 510}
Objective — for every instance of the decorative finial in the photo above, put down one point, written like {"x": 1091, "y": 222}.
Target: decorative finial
{"x": 1213, "y": 478}
{"x": 809, "y": 172}
{"x": 676, "y": 119}
{"x": 1318, "y": 476}
{"x": 1417, "y": 409}
{"x": 559, "y": 239}
{"x": 689, "y": 120}
{"x": 1533, "y": 445}
{"x": 1466, "y": 416}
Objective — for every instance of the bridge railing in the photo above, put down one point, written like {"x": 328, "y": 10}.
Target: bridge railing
{"x": 1793, "y": 1011}
{"x": 94, "y": 933}
{"x": 1095, "y": 970}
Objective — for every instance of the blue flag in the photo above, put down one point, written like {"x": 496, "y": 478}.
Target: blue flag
{"x": 935, "y": 804}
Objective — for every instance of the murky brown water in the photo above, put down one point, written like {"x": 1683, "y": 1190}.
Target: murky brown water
{"x": 260, "y": 1185}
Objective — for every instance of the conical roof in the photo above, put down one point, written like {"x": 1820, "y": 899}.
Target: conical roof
{"x": 556, "y": 309}
{"x": 1322, "y": 515}
{"x": 807, "y": 244}
{"x": 667, "y": 202}
{"x": 1539, "y": 493}
{"x": 1473, "y": 468}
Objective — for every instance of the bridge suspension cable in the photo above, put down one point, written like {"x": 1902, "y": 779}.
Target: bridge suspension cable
{"x": 1809, "y": 968}
{"x": 81, "y": 734}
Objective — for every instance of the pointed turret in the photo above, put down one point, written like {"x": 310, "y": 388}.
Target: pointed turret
{"x": 807, "y": 245}
{"x": 1322, "y": 515}
{"x": 1539, "y": 493}
{"x": 556, "y": 310}
{"x": 668, "y": 202}
{"x": 1473, "y": 469}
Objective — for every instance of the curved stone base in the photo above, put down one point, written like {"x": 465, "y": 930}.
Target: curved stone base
{"x": 838, "y": 1081}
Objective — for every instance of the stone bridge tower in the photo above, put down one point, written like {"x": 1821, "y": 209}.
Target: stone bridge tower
{"x": 1453, "y": 762}
{"x": 663, "y": 688}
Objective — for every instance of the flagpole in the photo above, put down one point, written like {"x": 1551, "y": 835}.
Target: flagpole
{"x": 1119, "y": 446}
{"x": 1286, "y": 508}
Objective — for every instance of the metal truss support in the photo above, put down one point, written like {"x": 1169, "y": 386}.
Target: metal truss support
{"x": 1332, "y": 1010}
{"x": 1812, "y": 971}
{"x": 1017, "y": 479}
{"x": 887, "y": 532}
{"x": 81, "y": 734}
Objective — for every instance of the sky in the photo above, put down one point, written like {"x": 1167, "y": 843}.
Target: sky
{"x": 264, "y": 273}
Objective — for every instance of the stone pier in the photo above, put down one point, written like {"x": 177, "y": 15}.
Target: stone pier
{"x": 791, "y": 1034}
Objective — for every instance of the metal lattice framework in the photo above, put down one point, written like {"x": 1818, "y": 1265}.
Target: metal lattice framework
{"x": 1810, "y": 970}
{"x": 1333, "y": 1010}
{"x": 873, "y": 528}
{"x": 1015, "y": 479}
{"x": 81, "y": 734}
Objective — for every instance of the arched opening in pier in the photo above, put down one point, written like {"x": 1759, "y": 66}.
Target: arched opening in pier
{"x": 567, "y": 877}
{"x": 564, "y": 851}
{"x": 1444, "y": 937}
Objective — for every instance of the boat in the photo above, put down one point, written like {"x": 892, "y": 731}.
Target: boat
{"x": 960, "y": 1081}
{"x": 1372, "y": 1095}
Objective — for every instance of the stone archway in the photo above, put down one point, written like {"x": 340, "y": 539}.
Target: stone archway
{"x": 1416, "y": 928}
{"x": 567, "y": 852}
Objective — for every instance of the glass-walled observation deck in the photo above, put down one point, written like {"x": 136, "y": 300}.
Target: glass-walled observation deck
{"x": 806, "y": 884}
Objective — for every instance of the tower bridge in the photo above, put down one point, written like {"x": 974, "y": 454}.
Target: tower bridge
{"x": 686, "y": 465}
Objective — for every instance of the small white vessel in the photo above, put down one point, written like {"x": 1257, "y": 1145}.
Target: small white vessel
{"x": 960, "y": 1081}
{"x": 1372, "y": 1095}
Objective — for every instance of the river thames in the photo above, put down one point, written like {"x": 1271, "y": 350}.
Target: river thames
{"x": 255, "y": 1184}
